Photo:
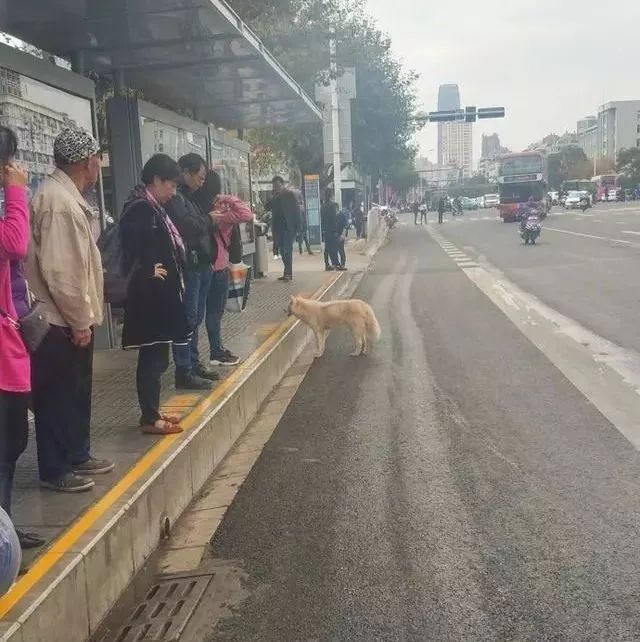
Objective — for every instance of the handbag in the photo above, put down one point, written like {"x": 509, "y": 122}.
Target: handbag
{"x": 33, "y": 327}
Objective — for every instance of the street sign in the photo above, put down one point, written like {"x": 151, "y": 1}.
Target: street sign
{"x": 491, "y": 112}
{"x": 466, "y": 115}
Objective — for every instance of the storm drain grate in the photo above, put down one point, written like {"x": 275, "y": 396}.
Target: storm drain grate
{"x": 165, "y": 611}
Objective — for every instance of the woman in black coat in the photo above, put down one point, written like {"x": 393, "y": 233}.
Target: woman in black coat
{"x": 154, "y": 312}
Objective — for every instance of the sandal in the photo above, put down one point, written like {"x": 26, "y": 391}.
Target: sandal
{"x": 162, "y": 427}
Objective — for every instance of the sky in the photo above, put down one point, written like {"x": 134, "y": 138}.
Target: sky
{"x": 548, "y": 62}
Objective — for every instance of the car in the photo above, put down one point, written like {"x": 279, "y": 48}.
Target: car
{"x": 492, "y": 200}
{"x": 572, "y": 201}
{"x": 468, "y": 203}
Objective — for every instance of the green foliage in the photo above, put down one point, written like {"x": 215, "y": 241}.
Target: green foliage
{"x": 628, "y": 165}
{"x": 570, "y": 162}
{"x": 297, "y": 32}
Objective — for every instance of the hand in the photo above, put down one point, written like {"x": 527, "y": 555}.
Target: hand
{"x": 81, "y": 338}
{"x": 216, "y": 216}
{"x": 14, "y": 175}
{"x": 159, "y": 271}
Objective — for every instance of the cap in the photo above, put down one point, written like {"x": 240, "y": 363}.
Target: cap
{"x": 73, "y": 145}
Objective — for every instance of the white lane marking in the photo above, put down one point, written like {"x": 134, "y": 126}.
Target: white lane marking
{"x": 607, "y": 374}
{"x": 629, "y": 231}
{"x": 591, "y": 236}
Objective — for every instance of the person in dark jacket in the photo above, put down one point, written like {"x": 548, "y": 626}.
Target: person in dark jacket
{"x": 342, "y": 228}
{"x": 358, "y": 220}
{"x": 197, "y": 231}
{"x": 155, "y": 315}
{"x": 330, "y": 232}
{"x": 286, "y": 223}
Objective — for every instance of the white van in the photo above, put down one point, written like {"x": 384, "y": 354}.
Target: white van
{"x": 492, "y": 200}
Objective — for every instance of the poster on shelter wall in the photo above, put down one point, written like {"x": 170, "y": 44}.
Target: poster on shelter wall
{"x": 37, "y": 112}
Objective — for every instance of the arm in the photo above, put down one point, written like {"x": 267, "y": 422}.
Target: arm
{"x": 189, "y": 221}
{"x": 14, "y": 227}
{"x": 229, "y": 210}
{"x": 63, "y": 257}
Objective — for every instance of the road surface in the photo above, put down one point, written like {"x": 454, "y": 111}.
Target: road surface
{"x": 470, "y": 480}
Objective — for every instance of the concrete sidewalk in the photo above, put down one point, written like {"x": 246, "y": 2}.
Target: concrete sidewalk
{"x": 75, "y": 525}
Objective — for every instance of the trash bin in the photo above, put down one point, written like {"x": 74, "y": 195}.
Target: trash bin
{"x": 262, "y": 256}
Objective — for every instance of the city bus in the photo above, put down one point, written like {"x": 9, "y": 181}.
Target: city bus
{"x": 605, "y": 183}
{"x": 577, "y": 185}
{"x": 521, "y": 177}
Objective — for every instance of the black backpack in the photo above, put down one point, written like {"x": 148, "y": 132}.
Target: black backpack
{"x": 116, "y": 278}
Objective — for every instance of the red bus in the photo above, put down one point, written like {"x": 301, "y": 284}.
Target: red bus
{"x": 604, "y": 184}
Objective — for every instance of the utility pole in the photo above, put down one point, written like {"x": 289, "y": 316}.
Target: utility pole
{"x": 335, "y": 122}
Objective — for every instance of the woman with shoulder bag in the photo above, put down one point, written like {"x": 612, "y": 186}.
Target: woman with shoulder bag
{"x": 15, "y": 365}
{"x": 227, "y": 212}
{"x": 154, "y": 312}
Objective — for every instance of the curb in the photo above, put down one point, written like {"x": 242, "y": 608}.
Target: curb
{"x": 75, "y": 583}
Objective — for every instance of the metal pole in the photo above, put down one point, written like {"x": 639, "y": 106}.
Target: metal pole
{"x": 335, "y": 124}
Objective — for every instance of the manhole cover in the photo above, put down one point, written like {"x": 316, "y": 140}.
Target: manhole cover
{"x": 165, "y": 611}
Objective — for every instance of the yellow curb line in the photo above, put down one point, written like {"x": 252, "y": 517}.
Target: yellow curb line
{"x": 64, "y": 542}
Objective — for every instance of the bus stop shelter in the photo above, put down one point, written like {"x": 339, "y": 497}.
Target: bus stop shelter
{"x": 196, "y": 55}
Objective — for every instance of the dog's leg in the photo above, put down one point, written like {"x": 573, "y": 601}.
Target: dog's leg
{"x": 358, "y": 335}
{"x": 365, "y": 344}
{"x": 321, "y": 338}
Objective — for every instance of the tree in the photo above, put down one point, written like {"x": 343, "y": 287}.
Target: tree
{"x": 570, "y": 162}
{"x": 297, "y": 32}
{"x": 628, "y": 165}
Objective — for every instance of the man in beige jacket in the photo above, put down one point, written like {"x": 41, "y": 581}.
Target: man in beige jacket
{"x": 64, "y": 270}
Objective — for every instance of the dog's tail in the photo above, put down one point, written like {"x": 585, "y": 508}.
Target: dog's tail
{"x": 372, "y": 326}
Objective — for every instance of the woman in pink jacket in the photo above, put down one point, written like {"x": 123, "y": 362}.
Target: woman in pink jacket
{"x": 227, "y": 212}
{"x": 15, "y": 369}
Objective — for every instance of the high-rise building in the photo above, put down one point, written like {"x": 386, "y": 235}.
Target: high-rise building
{"x": 455, "y": 139}
{"x": 618, "y": 127}
{"x": 490, "y": 145}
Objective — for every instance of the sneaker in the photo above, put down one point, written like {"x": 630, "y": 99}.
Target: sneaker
{"x": 69, "y": 483}
{"x": 341, "y": 268}
{"x": 225, "y": 359}
{"x": 192, "y": 382}
{"x": 204, "y": 373}
{"x": 329, "y": 268}
{"x": 94, "y": 466}
{"x": 285, "y": 277}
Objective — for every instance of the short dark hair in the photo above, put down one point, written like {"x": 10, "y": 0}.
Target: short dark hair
{"x": 8, "y": 144}
{"x": 191, "y": 163}
{"x": 162, "y": 166}
{"x": 205, "y": 195}
{"x": 277, "y": 179}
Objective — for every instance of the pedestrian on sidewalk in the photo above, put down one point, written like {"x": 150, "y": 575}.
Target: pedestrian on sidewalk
{"x": 227, "y": 212}
{"x": 330, "y": 233}
{"x": 358, "y": 220}
{"x": 197, "y": 231}
{"x": 286, "y": 223}
{"x": 442, "y": 206}
{"x": 415, "y": 208}
{"x": 342, "y": 229}
{"x": 303, "y": 231}
{"x": 15, "y": 367}
{"x": 155, "y": 315}
{"x": 64, "y": 270}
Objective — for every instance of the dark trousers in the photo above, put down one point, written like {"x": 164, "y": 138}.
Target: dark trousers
{"x": 331, "y": 252}
{"x": 197, "y": 282}
{"x": 423, "y": 216}
{"x": 285, "y": 246}
{"x": 14, "y": 430}
{"x": 342, "y": 255}
{"x": 216, "y": 302}
{"x": 153, "y": 362}
{"x": 304, "y": 236}
{"x": 440, "y": 216}
{"x": 62, "y": 383}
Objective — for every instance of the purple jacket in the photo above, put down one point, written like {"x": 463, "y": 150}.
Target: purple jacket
{"x": 19, "y": 289}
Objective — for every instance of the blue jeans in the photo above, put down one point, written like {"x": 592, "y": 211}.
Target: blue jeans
{"x": 216, "y": 302}
{"x": 197, "y": 282}
{"x": 10, "y": 553}
{"x": 285, "y": 246}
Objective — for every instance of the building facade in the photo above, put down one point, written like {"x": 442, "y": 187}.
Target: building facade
{"x": 618, "y": 127}
{"x": 455, "y": 139}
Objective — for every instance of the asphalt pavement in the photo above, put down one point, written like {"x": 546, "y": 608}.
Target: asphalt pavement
{"x": 453, "y": 485}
